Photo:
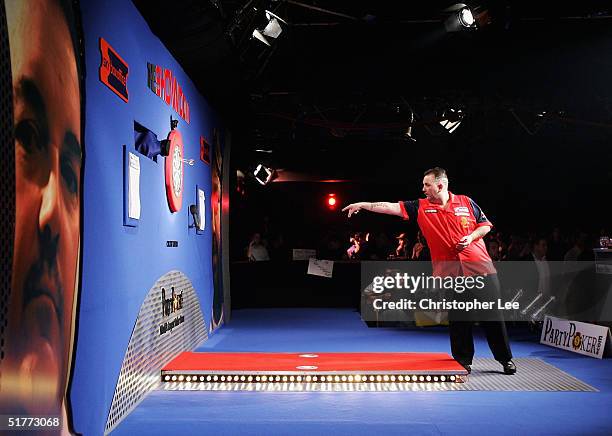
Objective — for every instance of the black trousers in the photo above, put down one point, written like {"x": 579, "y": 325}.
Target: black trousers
{"x": 461, "y": 324}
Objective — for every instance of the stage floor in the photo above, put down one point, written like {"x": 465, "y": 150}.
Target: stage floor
{"x": 423, "y": 412}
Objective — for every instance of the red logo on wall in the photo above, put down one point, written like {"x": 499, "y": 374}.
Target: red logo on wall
{"x": 204, "y": 150}
{"x": 163, "y": 83}
{"x": 174, "y": 171}
{"x": 113, "y": 70}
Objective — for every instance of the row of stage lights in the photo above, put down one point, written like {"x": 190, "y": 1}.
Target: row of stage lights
{"x": 387, "y": 378}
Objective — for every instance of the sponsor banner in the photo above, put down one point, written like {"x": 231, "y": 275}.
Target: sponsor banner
{"x": 322, "y": 268}
{"x": 578, "y": 337}
{"x": 303, "y": 253}
{"x": 113, "y": 70}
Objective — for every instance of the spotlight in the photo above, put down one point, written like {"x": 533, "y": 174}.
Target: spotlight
{"x": 263, "y": 174}
{"x": 273, "y": 28}
{"x": 258, "y": 35}
{"x": 167, "y": 378}
{"x": 466, "y": 18}
{"x": 451, "y": 118}
{"x": 461, "y": 18}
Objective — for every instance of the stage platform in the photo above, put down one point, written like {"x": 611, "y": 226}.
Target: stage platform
{"x": 311, "y": 367}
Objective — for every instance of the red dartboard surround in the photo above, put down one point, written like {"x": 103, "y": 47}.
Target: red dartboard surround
{"x": 175, "y": 171}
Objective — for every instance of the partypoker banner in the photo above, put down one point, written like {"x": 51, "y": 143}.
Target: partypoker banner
{"x": 44, "y": 158}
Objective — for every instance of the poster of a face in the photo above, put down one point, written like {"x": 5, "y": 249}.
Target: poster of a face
{"x": 215, "y": 200}
{"x": 39, "y": 334}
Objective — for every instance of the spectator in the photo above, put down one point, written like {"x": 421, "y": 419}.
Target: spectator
{"x": 539, "y": 248}
{"x": 402, "y": 250}
{"x": 360, "y": 248}
{"x": 575, "y": 253}
{"x": 257, "y": 250}
{"x": 420, "y": 251}
{"x": 381, "y": 246}
{"x": 556, "y": 245}
{"x": 494, "y": 250}
{"x": 518, "y": 248}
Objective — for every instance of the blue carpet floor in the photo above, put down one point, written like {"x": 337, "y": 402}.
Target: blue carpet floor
{"x": 366, "y": 413}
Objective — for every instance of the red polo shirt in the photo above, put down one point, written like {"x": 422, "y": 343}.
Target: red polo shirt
{"x": 443, "y": 228}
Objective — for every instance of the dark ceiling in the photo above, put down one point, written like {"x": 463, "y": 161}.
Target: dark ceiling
{"x": 340, "y": 85}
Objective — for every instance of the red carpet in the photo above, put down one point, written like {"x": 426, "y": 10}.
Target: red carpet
{"x": 314, "y": 363}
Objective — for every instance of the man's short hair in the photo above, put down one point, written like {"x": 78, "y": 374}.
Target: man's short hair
{"x": 438, "y": 173}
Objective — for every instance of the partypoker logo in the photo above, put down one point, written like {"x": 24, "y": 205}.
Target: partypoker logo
{"x": 113, "y": 70}
{"x": 577, "y": 341}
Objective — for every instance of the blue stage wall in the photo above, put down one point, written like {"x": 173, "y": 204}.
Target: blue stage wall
{"x": 120, "y": 264}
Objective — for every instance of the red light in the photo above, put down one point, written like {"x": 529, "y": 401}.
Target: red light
{"x": 331, "y": 201}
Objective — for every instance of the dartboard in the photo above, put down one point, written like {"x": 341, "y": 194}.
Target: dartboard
{"x": 177, "y": 171}
{"x": 174, "y": 171}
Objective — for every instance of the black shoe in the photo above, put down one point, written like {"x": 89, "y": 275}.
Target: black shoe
{"x": 467, "y": 366}
{"x": 509, "y": 367}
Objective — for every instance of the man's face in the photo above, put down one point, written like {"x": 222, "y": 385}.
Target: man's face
{"x": 494, "y": 250}
{"x": 48, "y": 168}
{"x": 431, "y": 189}
{"x": 540, "y": 248}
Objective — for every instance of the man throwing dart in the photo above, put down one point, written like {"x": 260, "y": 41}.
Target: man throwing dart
{"x": 454, "y": 226}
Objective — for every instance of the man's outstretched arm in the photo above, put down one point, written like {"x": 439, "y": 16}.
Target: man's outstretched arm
{"x": 380, "y": 207}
